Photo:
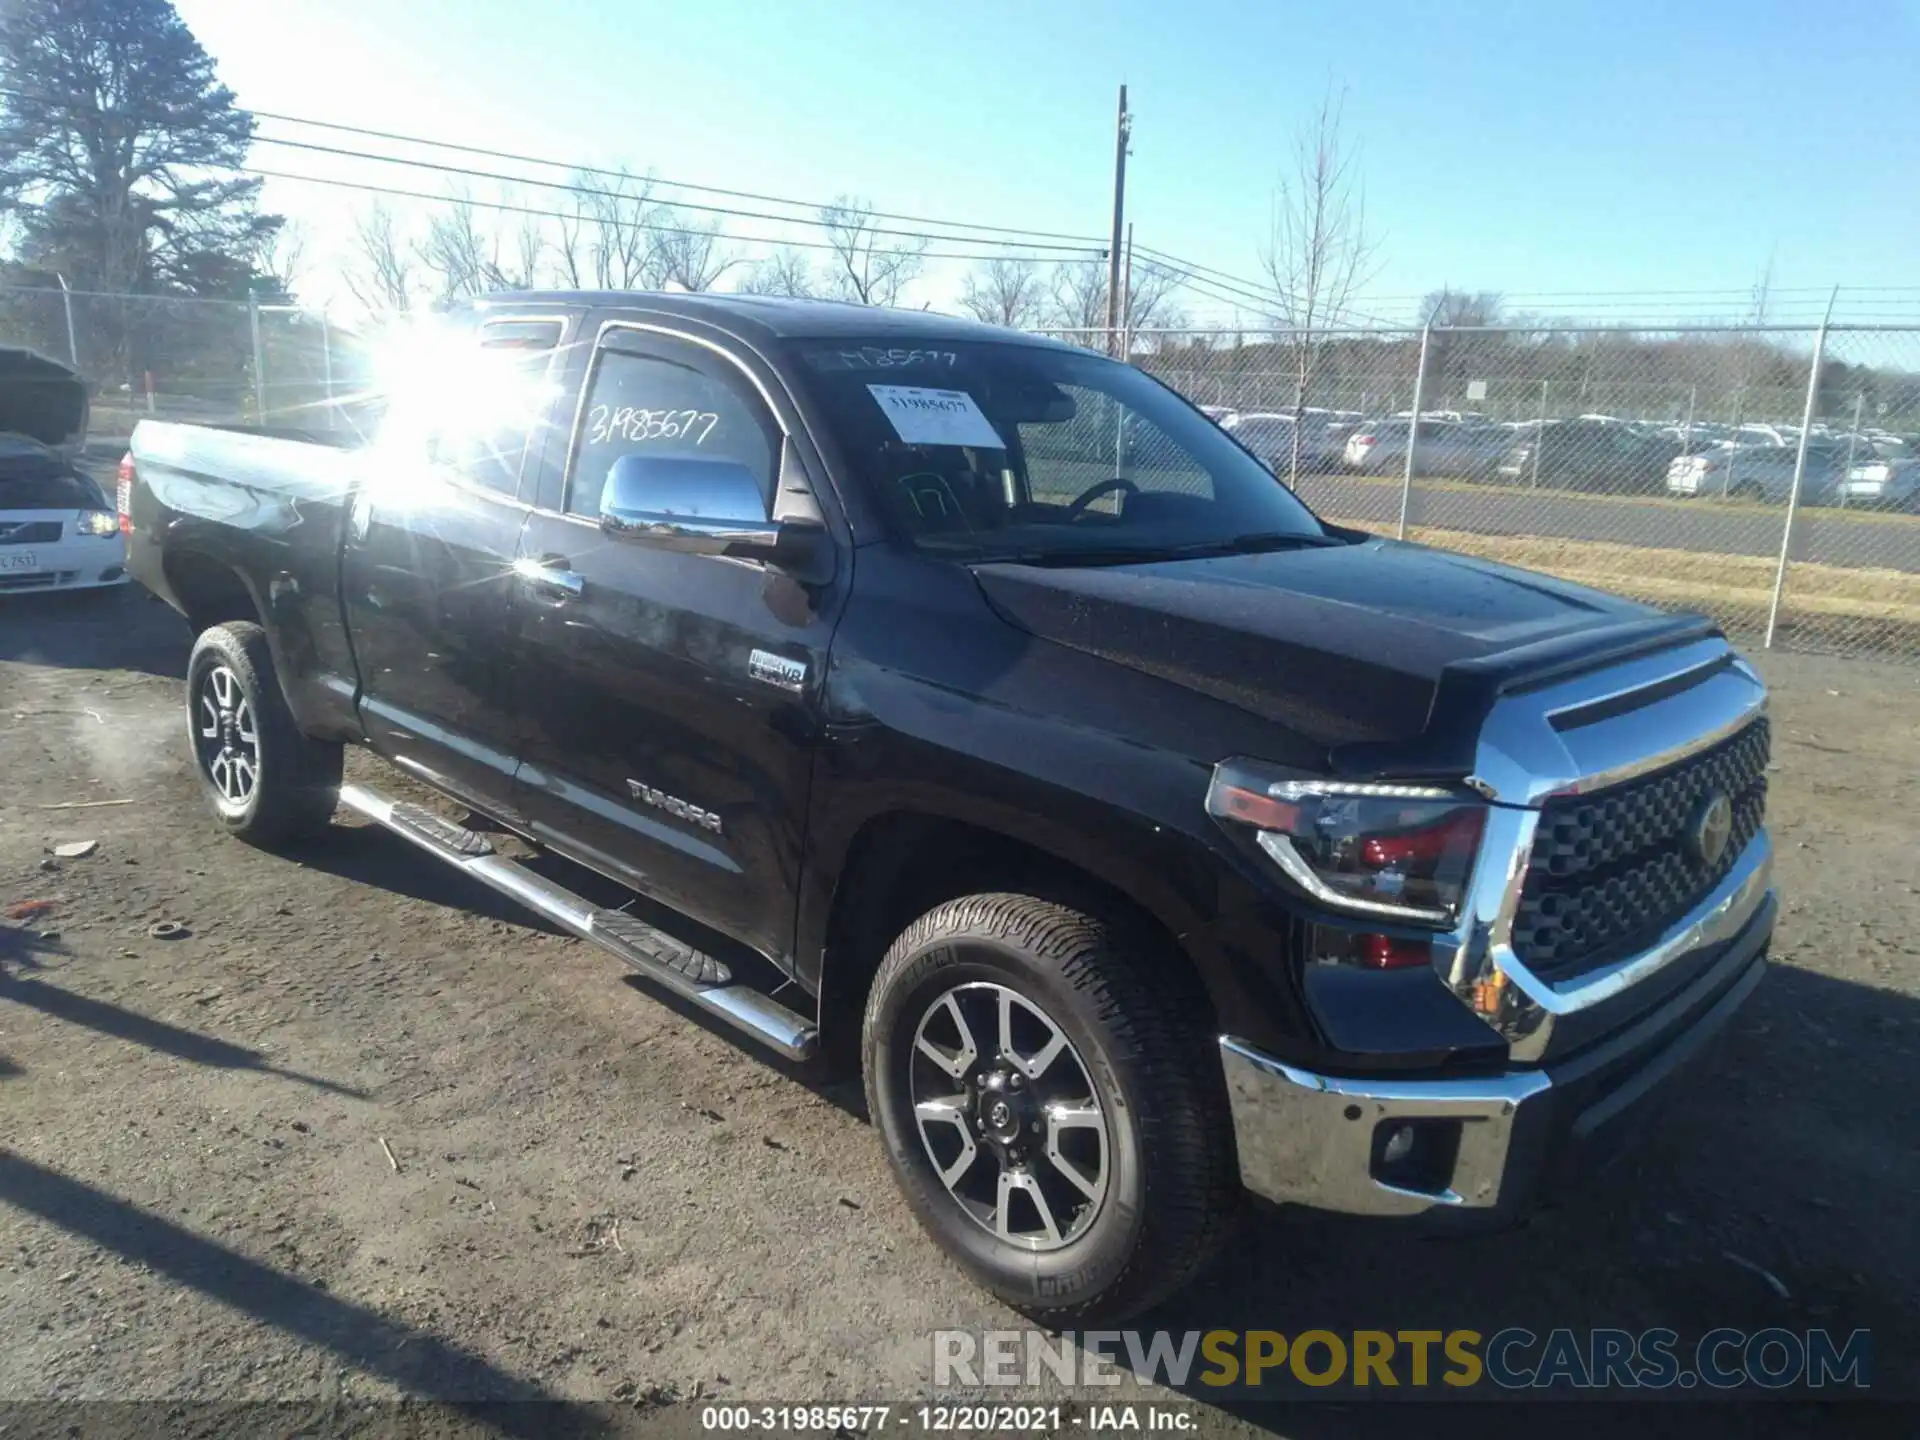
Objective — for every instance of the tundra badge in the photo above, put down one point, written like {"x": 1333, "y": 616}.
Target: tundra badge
{"x": 675, "y": 806}
{"x": 777, "y": 670}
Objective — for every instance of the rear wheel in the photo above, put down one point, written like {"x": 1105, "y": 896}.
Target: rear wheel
{"x": 267, "y": 783}
{"x": 1052, "y": 1108}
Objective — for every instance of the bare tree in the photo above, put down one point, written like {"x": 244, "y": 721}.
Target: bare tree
{"x": 618, "y": 245}
{"x": 469, "y": 255}
{"x": 1004, "y": 292}
{"x": 456, "y": 251}
{"x": 380, "y": 271}
{"x": 869, "y": 268}
{"x": 282, "y": 256}
{"x": 1318, "y": 251}
{"x": 687, "y": 254}
{"x": 1077, "y": 296}
{"x": 520, "y": 270}
{"x": 786, "y": 272}
{"x": 1447, "y": 306}
{"x": 572, "y": 248}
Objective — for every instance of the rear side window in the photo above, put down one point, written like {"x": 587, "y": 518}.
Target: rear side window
{"x": 670, "y": 401}
{"x": 489, "y": 445}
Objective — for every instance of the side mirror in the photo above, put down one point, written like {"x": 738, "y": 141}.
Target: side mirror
{"x": 704, "y": 507}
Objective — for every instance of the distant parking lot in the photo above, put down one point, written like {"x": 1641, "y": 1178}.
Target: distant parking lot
{"x": 1856, "y": 539}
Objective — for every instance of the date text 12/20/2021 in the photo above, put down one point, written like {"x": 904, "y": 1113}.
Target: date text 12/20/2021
{"x": 946, "y": 1419}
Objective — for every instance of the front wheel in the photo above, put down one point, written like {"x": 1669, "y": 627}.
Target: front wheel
{"x": 1052, "y": 1107}
{"x": 268, "y": 783}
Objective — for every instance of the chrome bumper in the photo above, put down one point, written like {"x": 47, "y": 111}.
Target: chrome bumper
{"x": 1311, "y": 1138}
{"x": 1317, "y": 1140}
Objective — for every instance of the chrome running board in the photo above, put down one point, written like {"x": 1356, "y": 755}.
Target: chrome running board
{"x": 697, "y": 978}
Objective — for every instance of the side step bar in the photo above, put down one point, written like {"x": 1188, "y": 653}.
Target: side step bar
{"x": 695, "y": 977}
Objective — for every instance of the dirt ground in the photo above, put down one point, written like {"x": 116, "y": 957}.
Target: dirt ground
{"x": 363, "y": 1130}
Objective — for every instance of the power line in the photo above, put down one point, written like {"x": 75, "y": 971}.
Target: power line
{"x": 657, "y": 180}
{"x": 509, "y": 209}
{"x": 816, "y": 222}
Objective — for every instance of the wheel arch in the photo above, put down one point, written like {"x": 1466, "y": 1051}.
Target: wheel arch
{"x": 210, "y": 592}
{"x": 901, "y": 863}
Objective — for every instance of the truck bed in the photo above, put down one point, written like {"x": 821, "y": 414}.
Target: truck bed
{"x": 235, "y": 521}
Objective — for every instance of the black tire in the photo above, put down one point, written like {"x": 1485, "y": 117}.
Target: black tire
{"x": 295, "y": 780}
{"x": 1171, "y": 1182}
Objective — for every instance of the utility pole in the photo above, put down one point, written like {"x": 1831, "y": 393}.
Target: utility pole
{"x": 1123, "y": 129}
{"x": 1126, "y": 299}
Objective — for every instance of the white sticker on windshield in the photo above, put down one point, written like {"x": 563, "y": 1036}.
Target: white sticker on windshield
{"x": 936, "y": 417}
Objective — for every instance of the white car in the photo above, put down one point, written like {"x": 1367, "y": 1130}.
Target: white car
{"x": 58, "y": 531}
{"x": 1888, "y": 484}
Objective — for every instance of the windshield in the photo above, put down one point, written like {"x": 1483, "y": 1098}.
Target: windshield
{"x": 989, "y": 450}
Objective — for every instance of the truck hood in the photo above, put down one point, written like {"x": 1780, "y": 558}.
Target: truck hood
{"x": 1344, "y": 645}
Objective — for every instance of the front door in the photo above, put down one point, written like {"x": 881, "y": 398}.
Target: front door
{"x": 427, "y": 573}
{"x": 671, "y": 699}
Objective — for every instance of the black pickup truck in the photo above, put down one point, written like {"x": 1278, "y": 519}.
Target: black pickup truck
{"x": 969, "y": 706}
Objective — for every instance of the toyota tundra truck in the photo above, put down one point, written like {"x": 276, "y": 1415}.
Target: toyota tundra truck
{"x": 970, "y": 708}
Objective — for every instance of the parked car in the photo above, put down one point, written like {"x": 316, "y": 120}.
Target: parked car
{"x": 1270, "y": 437}
{"x": 57, "y": 530}
{"x": 1456, "y": 449}
{"x": 1760, "y": 472}
{"x": 1139, "y": 852}
{"x": 1587, "y": 454}
{"x": 1883, "y": 485}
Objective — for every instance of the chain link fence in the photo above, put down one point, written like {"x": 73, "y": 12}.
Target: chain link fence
{"x": 177, "y": 358}
{"x": 1766, "y": 476}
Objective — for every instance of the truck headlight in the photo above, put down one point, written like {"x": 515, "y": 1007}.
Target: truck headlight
{"x": 99, "y": 523}
{"x": 1401, "y": 852}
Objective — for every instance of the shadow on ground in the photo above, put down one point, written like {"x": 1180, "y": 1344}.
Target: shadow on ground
{"x": 420, "y": 1362}
{"x": 105, "y": 1018}
{"x": 118, "y": 629}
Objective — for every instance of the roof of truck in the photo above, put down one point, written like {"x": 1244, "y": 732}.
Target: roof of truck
{"x": 776, "y": 315}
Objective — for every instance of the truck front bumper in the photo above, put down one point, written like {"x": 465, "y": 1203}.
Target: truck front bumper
{"x": 1475, "y": 1151}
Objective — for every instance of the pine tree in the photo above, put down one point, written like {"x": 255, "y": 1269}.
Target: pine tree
{"x": 119, "y": 150}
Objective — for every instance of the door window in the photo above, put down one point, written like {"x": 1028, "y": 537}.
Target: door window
{"x": 667, "y": 404}
{"x": 513, "y": 364}
{"x": 472, "y": 398}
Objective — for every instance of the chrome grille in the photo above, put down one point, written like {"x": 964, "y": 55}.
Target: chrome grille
{"x": 29, "y": 532}
{"x": 39, "y": 580}
{"x": 1612, "y": 870}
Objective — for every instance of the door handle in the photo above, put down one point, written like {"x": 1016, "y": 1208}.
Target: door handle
{"x": 552, "y": 576}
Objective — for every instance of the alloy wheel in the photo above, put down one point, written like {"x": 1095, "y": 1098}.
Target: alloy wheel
{"x": 225, "y": 738}
{"x": 1009, "y": 1116}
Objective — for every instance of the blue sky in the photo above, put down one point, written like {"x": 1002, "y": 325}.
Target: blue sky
{"x": 1534, "y": 149}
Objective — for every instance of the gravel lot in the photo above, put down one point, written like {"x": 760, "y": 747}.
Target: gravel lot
{"x": 365, "y": 1130}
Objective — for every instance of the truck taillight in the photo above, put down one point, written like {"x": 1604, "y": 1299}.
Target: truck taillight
{"x": 123, "y": 495}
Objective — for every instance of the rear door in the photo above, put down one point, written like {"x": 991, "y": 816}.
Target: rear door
{"x": 427, "y": 575}
{"x": 671, "y": 700}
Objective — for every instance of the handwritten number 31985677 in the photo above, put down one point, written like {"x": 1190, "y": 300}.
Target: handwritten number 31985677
{"x": 638, "y": 426}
